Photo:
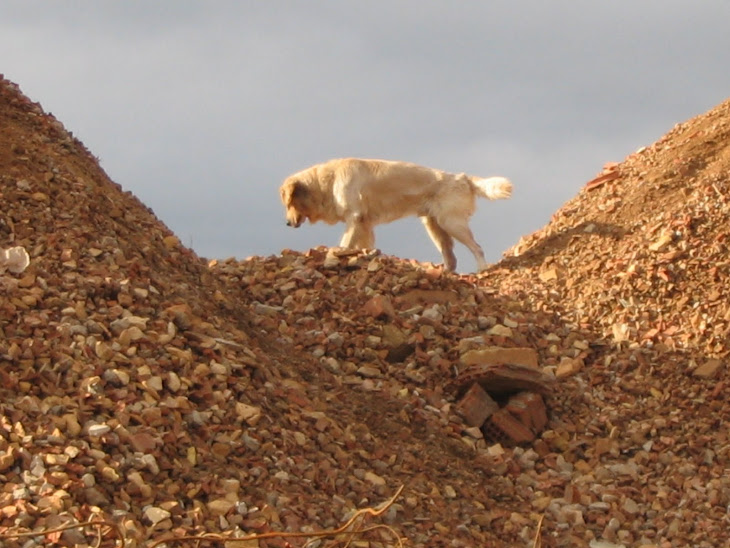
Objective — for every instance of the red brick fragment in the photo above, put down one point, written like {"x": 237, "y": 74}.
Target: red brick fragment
{"x": 708, "y": 369}
{"x": 503, "y": 378}
{"x": 504, "y": 425}
{"x": 602, "y": 179}
{"x": 379, "y": 307}
{"x": 476, "y": 405}
{"x": 518, "y": 409}
{"x": 538, "y": 411}
{"x": 143, "y": 442}
{"x": 529, "y": 408}
{"x": 495, "y": 435}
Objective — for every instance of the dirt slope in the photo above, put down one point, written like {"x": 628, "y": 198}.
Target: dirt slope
{"x": 139, "y": 389}
{"x": 144, "y": 387}
{"x": 642, "y": 252}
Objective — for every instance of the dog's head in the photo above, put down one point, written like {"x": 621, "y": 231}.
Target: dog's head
{"x": 294, "y": 196}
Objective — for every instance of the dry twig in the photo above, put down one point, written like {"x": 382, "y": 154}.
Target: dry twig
{"x": 344, "y": 529}
{"x": 538, "y": 537}
{"x": 98, "y": 523}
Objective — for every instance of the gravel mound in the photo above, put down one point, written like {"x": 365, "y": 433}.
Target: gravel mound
{"x": 171, "y": 396}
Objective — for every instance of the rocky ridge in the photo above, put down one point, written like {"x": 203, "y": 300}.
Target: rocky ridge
{"x": 175, "y": 397}
{"x": 641, "y": 253}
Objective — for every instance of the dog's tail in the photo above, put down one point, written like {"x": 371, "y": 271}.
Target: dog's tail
{"x": 493, "y": 188}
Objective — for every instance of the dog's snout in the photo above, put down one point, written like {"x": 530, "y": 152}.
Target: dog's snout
{"x": 288, "y": 223}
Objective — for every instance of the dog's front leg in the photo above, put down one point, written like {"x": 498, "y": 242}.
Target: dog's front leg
{"x": 347, "y": 236}
{"x": 358, "y": 235}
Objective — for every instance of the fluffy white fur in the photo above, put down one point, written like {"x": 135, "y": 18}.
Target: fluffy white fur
{"x": 364, "y": 193}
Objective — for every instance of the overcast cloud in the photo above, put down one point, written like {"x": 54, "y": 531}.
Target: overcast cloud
{"x": 202, "y": 108}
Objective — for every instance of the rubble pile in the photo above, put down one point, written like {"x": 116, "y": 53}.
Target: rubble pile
{"x": 383, "y": 324}
{"x": 641, "y": 253}
{"x": 574, "y": 393}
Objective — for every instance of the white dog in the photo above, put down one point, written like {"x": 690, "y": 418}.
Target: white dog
{"x": 364, "y": 193}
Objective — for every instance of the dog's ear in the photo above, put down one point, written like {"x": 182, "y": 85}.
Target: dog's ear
{"x": 294, "y": 191}
{"x": 287, "y": 190}
{"x": 298, "y": 190}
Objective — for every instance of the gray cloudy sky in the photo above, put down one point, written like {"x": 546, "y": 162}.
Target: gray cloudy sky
{"x": 202, "y": 108}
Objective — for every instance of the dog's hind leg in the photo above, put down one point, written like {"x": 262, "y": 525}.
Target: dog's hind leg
{"x": 459, "y": 229}
{"x": 444, "y": 243}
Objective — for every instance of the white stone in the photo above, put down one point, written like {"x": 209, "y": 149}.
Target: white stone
{"x": 96, "y": 430}
{"x": 155, "y": 515}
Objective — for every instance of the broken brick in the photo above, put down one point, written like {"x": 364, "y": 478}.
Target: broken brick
{"x": 378, "y": 307}
{"x": 494, "y": 355}
{"x": 476, "y": 406}
{"x": 503, "y": 378}
{"x": 708, "y": 369}
{"x": 529, "y": 408}
{"x": 569, "y": 367}
{"x": 503, "y": 426}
